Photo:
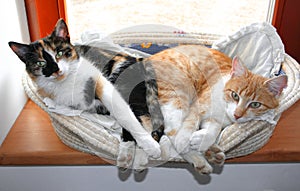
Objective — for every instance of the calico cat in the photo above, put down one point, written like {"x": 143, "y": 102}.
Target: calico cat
{"x": 71, "y": 76}
{"x": 201, "y": 90}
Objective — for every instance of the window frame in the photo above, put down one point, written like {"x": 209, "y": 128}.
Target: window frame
{"x": 42, "y": 16}
{"x": 41, "y": 22}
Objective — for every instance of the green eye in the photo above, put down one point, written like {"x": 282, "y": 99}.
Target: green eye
{"x": 59, "y": 54}
{"x": 255, "y": 105}
{"x": 235, "y": 96}
{"x": 41, "y": 63}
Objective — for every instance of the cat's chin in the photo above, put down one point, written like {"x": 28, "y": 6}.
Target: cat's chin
{"x": 240, "y": 120}
{"x": 59, "y": 77}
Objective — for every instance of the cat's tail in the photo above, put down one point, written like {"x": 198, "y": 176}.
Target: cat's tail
{"x": 157, "y": 119}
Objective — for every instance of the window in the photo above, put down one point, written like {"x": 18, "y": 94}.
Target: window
{"x": 284, "y": 15}
{"x": 214, "y": 16}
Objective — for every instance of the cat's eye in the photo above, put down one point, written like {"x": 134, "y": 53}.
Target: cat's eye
{"x": 59, "y": 54}
{"x": 235, "y": 96}
{"x": 255, "y": 105}
{"x": 41, "y": 63}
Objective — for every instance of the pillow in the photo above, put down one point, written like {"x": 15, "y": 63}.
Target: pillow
{"x": 259, "y": 47}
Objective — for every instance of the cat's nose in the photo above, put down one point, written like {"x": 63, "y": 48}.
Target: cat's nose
{"x": 237, "y": 116}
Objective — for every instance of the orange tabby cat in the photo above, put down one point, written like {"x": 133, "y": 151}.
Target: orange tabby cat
{"x": 201, "y": 87}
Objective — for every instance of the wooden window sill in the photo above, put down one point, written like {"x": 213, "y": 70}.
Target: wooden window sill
{"x": 32, "y": 141}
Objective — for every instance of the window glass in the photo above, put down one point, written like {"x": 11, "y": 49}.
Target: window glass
{"x": 202, "y": 16}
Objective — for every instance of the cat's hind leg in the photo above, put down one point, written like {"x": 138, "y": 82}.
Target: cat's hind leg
{"x": 189, "y": 126}
{"x": 179, "y": 127}
{"x": 126, "y": 155}
{"x": 117, "y": 106}
{"x": 131, "y": 157}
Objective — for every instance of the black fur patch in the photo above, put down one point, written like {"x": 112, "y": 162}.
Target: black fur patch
{"x": 89, "y": 91}
{"x": 102, "y": 59}
{"x": 51, "y": 66}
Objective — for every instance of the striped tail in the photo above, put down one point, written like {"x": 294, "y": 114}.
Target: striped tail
{"x": 157, "y": 118}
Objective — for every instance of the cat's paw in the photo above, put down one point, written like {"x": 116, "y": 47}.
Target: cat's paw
{"x": 215, "y": 155}
{"x": 140, "y": 160}
{"x": 165, "y": 146}
{"x": 199, "y": 162}
{"x": 100, "y": 108}
{"x": 201, "y": 140}
{"x": 204, "y": 168}
{"x": 150, "y": 146}
{"x": 126, "y": 155}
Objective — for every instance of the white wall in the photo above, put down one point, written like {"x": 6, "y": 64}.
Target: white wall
{"x": 13, "y": 25}
{"x": 237, "y": 177}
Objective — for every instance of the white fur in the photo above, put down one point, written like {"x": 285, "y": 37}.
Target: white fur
{"x": 173, "y": 117}
{"x": 230, "y": 109}
{"x": 219, "y": 109}
{"x": 69, "y": 92}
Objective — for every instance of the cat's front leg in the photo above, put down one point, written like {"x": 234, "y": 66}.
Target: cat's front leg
{"x": 204, "y": 138}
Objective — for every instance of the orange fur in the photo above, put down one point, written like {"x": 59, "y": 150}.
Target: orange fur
{"x": 186, "y": 74}
{"x": 196, "y": 87}
{"x": 99, "y": 87}
{"x": 193, "y": 71}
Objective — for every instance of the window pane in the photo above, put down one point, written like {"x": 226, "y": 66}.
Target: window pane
{"x": 214, "y": 16}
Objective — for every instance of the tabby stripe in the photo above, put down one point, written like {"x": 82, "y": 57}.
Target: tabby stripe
{"x": 123, "y": 66}
{"x": 108, "y": 68}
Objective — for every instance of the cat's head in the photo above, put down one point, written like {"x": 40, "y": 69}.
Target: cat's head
{"x": 49, "y": 57}
{"x": 249, "y": 96}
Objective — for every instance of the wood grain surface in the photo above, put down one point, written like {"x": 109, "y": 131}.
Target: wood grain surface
{"x": 32, "y": 141}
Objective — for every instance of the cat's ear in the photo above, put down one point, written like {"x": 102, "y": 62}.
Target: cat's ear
{"x": 61, "y": 30}
{"x": 20, "y": 50}
{"x": 238, "y": 68}
{"x": 276, "y": 84}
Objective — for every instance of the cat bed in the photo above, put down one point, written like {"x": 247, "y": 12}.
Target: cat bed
{"x": 258, "y": 43}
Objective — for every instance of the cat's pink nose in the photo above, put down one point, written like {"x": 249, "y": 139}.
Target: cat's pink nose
{"x": 237, "y": 116}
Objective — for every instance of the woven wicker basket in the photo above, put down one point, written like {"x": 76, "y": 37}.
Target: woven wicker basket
{"x": 235, "y": 140}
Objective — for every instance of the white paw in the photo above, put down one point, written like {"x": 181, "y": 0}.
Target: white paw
{"x": 199, "y": 162}
{"x": 165, "y": 146}
{"x": 140, "y": 161}
{"x": 126, "y": 155}
{"x": 150, "y": 146}
{"x": 201, "y": 140}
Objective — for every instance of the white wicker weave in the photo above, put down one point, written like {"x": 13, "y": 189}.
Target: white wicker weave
{"x": 235, "y": 140}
